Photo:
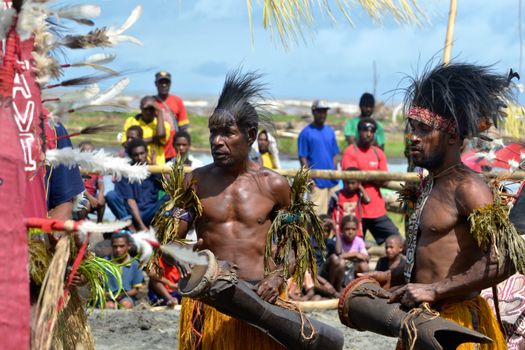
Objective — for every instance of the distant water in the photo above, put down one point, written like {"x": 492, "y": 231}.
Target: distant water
{"x": 394, "y": 165}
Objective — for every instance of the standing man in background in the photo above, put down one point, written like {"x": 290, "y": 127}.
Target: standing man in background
{"x": 318, "y": 149}
{"x": 367, "y": 105}
{"x": 174, "y": 111}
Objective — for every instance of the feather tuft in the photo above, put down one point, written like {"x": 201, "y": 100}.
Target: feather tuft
{"x": 31, "y": 17}
{"x": 100, "y": 58}
{"x": 98, "y": 162}
{"x": 110, "y": 93}
{"x": 79, "y": 13}
{"x": 143, "y": 241}
{"x": 115, "y": 35}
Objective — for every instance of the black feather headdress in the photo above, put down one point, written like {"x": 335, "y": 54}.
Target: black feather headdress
{"x": 242, "y": 102}
{"x": 471, "y": 95}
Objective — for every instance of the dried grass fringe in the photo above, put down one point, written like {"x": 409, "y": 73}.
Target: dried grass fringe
{"x": 462, "y": 313}
{"x": 73, "y": 330}
{"x": 219, "y": 331}
{"x": 293, "y": 229}
{"x": 39, "y": 259}
{"x": 180, "y": 196}
{"x": 491, "y": 227}
{"x": 50, "y": 293}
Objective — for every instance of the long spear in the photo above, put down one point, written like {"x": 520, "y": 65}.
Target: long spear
{"x": 450, "y": 31}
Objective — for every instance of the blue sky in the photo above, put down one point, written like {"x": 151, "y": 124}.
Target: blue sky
{"x": 198, "y": 41}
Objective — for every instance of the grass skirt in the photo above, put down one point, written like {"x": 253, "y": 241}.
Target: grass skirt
{"x": 475, "y": 314}
{"x": 203, "y": 327}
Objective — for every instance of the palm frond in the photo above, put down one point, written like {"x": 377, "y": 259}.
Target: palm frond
{"x": 289, "y": 18}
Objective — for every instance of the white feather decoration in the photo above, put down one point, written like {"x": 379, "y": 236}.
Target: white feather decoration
{"x": 144, "y": 247}
{"x": 133, "y": 17}
{"x": 99, "y": 162}
{"x": 186, "y": 255}
{"x": 84, "y": 94}
{"x": 110, "y": 93}
{"x": 31, "y": 16}
{"x": 6, "y": 20}
{"x": 89, "y": 226}
{"x": 79, "y": 13}
{"x": 115, "y": 35}
{"x": 100, "y": 58}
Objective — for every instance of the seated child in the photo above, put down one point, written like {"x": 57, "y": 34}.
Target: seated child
{"x": 394, "y": 246}
{"x": 164, "y": 290}
{"x": 348, "y": 201}
{"x": 351, "y": 249}
{"x": 132, "y": 277}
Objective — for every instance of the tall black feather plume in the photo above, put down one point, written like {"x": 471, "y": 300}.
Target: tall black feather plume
{"x": 472, "y": 95}
{"x": 242, "y": 102}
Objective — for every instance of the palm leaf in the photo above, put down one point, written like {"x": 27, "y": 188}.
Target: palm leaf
{"x": 289, "y": 18}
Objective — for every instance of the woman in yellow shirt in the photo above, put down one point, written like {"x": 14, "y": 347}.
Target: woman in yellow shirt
{"x": 155, "y": 129}
{"x": 268, "y": 158}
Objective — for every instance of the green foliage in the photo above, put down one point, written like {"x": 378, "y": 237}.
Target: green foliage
{"x": 96, "y": 271}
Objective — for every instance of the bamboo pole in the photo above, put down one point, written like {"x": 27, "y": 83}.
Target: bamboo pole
{"x": 317, "y": 304}
{"x": 450, "y": 31}
{"x": 393, "y": 179}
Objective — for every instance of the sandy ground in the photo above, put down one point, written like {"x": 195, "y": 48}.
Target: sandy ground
{"x": 157, "y": 329}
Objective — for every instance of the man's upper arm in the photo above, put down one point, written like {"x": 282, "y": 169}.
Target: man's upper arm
{"x": 382, "y": 159}
{"x": 302, "y": 145}
{"x": 348, "y": 158}
{"x": 281, "y": 190}
{"x": 335, "y": 146}
{"x": 473, "y": 194}
{"x": 182, "y": 116}
{"x": 167, "y": 129}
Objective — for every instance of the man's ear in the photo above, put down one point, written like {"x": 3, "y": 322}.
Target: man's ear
{"x": 252, "y": 135}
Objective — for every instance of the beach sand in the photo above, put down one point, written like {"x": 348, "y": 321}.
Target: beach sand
{"x": 152, "y": 329}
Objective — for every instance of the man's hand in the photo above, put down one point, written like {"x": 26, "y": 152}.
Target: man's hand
{"x": 268, "y": 288}
{"x": 78, "y": 279}
{"x": 414, "y": 294}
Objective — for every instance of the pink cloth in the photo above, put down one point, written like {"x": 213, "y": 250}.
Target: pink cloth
{"x": 471, "y": 161}
{"x": 357, "y": 245}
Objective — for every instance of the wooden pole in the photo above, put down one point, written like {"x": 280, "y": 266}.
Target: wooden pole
{"x": 393, "y": 178}
{"x": 450, "y": 31}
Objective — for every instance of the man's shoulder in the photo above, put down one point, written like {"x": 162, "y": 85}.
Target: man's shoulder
{"x": 379, "y": 151}
{"x": 275, "y": 180}
{"x": 306, "y": 130}
{"x": 472, "y": 192}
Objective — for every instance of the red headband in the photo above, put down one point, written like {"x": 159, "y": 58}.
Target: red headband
{"x": 433, "y": 120}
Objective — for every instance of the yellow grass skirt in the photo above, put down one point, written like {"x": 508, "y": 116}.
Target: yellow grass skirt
{"x": 217, "y": 330}
{"x": 484, "y": 322}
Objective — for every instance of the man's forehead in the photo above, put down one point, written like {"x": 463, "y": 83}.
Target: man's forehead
{"x": 138, "y": 149}
{"x": 222, "y": 125}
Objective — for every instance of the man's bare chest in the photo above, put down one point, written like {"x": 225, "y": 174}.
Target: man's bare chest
{"x": 243, "y": 202}
{"x": 439, "y": 217}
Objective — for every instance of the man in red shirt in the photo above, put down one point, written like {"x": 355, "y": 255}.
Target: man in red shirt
{"x": 365, "y": 156}
{"x": 174, "y": 111}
